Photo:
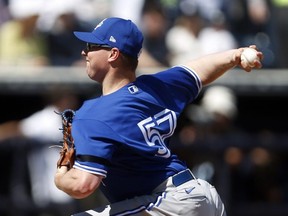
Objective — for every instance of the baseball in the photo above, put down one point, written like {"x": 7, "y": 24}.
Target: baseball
{"x": 249, "y": 55}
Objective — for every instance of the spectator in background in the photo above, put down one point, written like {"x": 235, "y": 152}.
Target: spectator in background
{"x": 198, "y": 32}
{"x": 280, "y": 28}
{"x": 42, "y": 125}
{"x": 206, "y": 129}
{"x": 215, "y": 37}
{"x": 247, "y": 18}
{"x": 211, "y": 123}
{"x": 64, "y": 54}
{"x": 20, "y": 41}
{"x": 250, "y": 23}
{"x": 220, "y": 104}
{"x": 4, "y": 11}
{"x": 182, "y": 38}
{"x": 154, "y": 26}
{"x": 42, "y": 129}
{"x": 132, "y": 9}
{"x": 58, "y": 19}
{"x": 207, "y": 9}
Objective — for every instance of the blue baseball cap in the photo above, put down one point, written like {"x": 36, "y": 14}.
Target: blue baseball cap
{"x": 115, "y": 32}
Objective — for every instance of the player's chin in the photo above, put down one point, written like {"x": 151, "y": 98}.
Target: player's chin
{"x": 89, "y": 75}
{"x": 88, "y": 72}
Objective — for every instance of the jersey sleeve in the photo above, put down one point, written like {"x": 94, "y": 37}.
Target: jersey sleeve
{"x": 184, "y": 84}
{"x": 95, "y": 144}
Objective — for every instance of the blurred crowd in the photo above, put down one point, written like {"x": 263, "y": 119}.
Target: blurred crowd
{"x": 39, "y": 32}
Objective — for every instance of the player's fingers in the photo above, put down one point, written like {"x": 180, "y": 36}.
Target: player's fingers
{"x": 259, "y": 53}
{"x": 236, "y": 58}
{"x": 257, "y": 63}
{"x": 253, "y": 47}
{"x": 245, "y": 66}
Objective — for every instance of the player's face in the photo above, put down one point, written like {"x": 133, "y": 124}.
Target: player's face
{"x": 96, "y": 61}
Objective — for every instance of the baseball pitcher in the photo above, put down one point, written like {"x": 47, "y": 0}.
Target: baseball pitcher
{"x": 121, "y": 138}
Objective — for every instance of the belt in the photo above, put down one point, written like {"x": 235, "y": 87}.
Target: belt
{"x": 182, "y": 177}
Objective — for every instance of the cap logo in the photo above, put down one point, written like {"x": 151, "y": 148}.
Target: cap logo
{"x": 100, "y": 24}
{"x": 115, "y": 32}
{"x": 112, "y": 39}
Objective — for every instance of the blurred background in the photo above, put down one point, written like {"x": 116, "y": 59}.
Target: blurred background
{"x": 234, "y": 135}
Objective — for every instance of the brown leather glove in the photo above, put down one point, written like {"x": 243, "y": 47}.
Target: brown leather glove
{"x": 67, "y": 153}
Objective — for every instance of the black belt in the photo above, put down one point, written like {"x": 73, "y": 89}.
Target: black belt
{"x": 182, "y": 177}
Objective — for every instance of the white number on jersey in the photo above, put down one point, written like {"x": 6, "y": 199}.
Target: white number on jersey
{"x": 157, "y": 128}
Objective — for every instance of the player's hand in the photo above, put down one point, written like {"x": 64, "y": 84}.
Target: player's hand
{"x": 244, "y": 64}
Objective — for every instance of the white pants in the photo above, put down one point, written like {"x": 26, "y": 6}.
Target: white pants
{"x": 192, "y": 198}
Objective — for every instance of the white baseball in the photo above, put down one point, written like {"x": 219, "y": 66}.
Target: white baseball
{"x": 249, "y": 55}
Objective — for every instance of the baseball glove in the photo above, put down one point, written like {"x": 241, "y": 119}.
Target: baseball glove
{"x": 67, "y": 153}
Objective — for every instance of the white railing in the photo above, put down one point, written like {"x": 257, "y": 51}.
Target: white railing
{"x": 25, "y": 79}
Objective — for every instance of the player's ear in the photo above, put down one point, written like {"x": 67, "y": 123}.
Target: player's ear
{"x": 114, "y": 54}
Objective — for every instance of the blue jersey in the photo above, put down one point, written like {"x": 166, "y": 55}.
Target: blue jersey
{"x": 124, "y": 136}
